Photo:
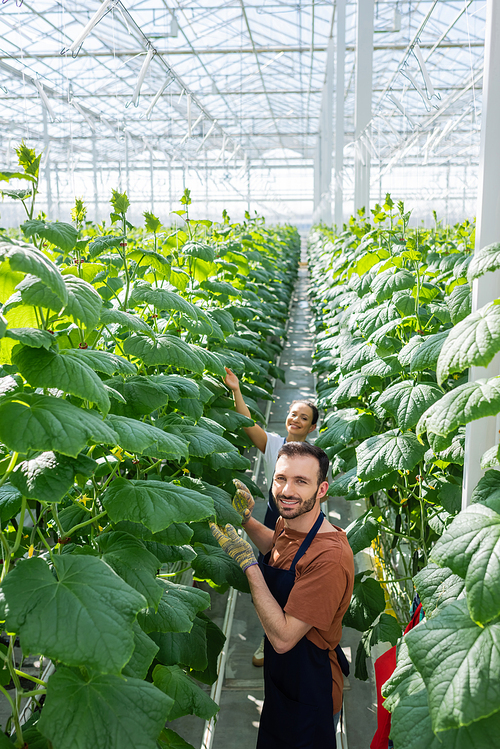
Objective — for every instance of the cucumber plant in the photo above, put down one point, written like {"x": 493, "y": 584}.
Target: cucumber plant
{"x": 118, "y": 443}
{"x": 395, "y": 336}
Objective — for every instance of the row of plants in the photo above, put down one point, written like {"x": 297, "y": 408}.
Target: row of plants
{"x": 395, "y": 337}
{"x": 118, "y": 443}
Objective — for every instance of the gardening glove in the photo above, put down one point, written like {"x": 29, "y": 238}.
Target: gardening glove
{"x": 243, "y": 502}
{"x": 237, "y": 548}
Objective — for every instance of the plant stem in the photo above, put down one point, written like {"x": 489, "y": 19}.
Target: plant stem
{"x": 86, "y": 522}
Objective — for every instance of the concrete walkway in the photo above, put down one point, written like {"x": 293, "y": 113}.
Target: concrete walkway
{"x": 243, "y": 687}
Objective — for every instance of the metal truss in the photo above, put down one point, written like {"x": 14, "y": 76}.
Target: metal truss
{"x": 234, "y": 85}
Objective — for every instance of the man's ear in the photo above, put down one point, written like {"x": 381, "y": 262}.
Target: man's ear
{"x": 322, "y": 489}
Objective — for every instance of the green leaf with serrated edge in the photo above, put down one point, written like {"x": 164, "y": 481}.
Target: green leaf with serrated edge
{"x": 81, "y": 617}
{"x": 124, "y": 320}
{"x": 201, "y": 441}
{"x": 230, "y": 420}
{"x": 48, "y": 369}
{"x": 490, "y": 459}
{"x": 229, "y": 461}
{"x": 470, "y": 549}
{"x": 130, "y": 559}
{"x": 42, "y": 422}
{"x": 29, "y": 259}
{"x": 382, "y": 367}
{"x": 141, "y": 393}
{"x": 142, "y": 657}
{"x": 455, "y": 453}
{"x": 199, "y": 250}
{"x": 422, "y": 353}
{"x": 354, "y": 356}
{"x": 460, "y": 303}
{"x": 386, "y": 629}
{"x": 485, "y": 260}
{"x": 373, "y": 319}
{"x": 450, "y": 497}
{"x": 411, "y": 725}
{"x": 437, "y": 586}
{"x": 392, "y": 450}
{"x": 48, "y": 476}
{"x": 362, "y": 531}
{"x": 162, "y": 299}
{"x": 59, "y": 233}
{"x": 31, "y": 337}
{"x": 367, "y": 603}
{"x": 137, "y": 437}
{"x": 447, "y": 649}
{"x": 474, "y": 341}
{"x": 224, "y": 511}
{"x": 156, "y": 504}
{"x": 177, "y": 533}
{"x": 177, "y": 609}
{"x": 84, "y": 303}
{"x": 408, "y": 400}
{"x": 188, "y": 649}
{"x": 101, "y": 361}
{"x": 102, "y": 244}
{"x": 466, "y": 403}
{"x": 213, "y": 360}
{"x": 5, "y": 176}
{"x": 10, "y": 502}
{"x": 102, "y": 711}
{"x": 176, "y": 386}
{"x": 342, "y": 484}
{"x": 163, "y": 349}
{"x": 224, "y": 319}
{"x": 367, "y": 488}
{"x": 404, "y": 680}
{"x": 172, "y": 740}
{"x": 385, "y": 284}
{"x": 189, "y": 698}
{"x": 350, "y": 387}
{"x": 215, "y": 642}
{"x": 345, "y": 426}
{"x": 212, "y": 563}
{"x": 488, "y": 488}
{"x": 169, "y": 554}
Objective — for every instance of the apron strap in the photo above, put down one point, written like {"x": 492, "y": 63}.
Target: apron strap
{"x": 307, "y": 541}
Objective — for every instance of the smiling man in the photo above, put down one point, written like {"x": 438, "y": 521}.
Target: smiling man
{"x": 301, "y": 591}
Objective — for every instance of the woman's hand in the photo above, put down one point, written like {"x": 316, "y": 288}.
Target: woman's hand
{"x": 230, "y": 380}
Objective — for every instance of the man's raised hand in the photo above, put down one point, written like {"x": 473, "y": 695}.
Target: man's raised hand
{"x": 237, "y": 548}
{"x": 243, "y": 502}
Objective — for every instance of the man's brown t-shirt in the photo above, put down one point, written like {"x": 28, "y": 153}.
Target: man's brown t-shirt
{"x": 324, "y": 579}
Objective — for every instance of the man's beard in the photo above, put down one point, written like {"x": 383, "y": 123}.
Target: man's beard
{"x": 305, "y": 505}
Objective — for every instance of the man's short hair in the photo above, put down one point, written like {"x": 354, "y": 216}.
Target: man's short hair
{"x": 291, "y": 449}
{"x": 309, "y": 404}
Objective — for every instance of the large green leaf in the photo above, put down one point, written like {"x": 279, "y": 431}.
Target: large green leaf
{"x": 34, "y": 292}
{"x": 59, "y": 233}
{"x": 460, "y": 303}
{"x": 362, "y": 531}
{"x": 215, "y": 640}
{"x": 31, "y": 337}
{"x": 101, "y": 361}
{"x": 130, "y": 559}
{"x": 229, "y": 461}
{"x": 102, "y": 244}
{"x": 10, "y": 502}
{"x": 162, "y": 299}
{"x": 48, "y": 476}
{"x": 137, "y": 437}
{"x": 408, "y": 400}
{"x": 81, "y": 616}
{"x": 459, "y": 662}
{"x": 164, "y": 349}
{"x": 84, "y": 303}
{"x": 176, "y": 610}
{"x": 142, "y": 657}
{"x": 392, "y": 450}
{"x": 28, "y": 259}
{"x": 143, "y": 395}
{"x": 488, "y": 488}
{"x": 466, "y": 403}
{"x": 224, "y": 510}
{"x": 385, "y": 284}
{"x": 172, "y": 740}
{"x": 386, "y": 629}
{"x": 436, "y": 587}
{"x": 485, "y": 260}
{"x": 367, "y": 603}
{"x": 352, "y": 386}
{"x": 188, "y": 649}
{"x": 155, "y": 504}
{"x": 404, "y": 680}
{"x": 201, "y": 441}
{"x": 48, "y": 369}
{"x": 474, "y": 341}
{"x": 42, "y": 422}
{"x": 124, "y": 319}
{"x": 199, "y": 250}
{"x": 422, "y": 353}
{"x": 213, "y": 361}
{"x": 189, "y": 698}
{"x": 373, "y": 319}
{"x": 471, "y": 549}
{"x": 213, "y": 564}
{"x": 345, "y": 426}
{"x": 102, "y": 711}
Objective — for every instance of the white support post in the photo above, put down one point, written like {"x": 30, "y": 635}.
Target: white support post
{"x": 363, "y": 105}
{"x": 317, "y": 173}
{"x": 46, "y": 142}
{"x": 152, "y": 178}
{"x": 326, "y": 143}
{"x": 94, "y": 164}
{"x": 483, "y": 433}
{"x": 339, "y": 116}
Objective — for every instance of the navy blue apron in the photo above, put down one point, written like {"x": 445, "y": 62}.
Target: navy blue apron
{"x": 298, "y": 705}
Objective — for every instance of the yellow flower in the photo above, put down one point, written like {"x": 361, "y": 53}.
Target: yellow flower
{"x": 84, "y": 499}
{"x": 30, "y": 551}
